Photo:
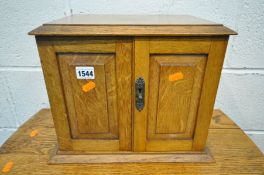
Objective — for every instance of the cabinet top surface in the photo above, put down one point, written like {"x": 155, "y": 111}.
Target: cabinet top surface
{"x": 131, "y": 25}
{"x": 131, "y": 20}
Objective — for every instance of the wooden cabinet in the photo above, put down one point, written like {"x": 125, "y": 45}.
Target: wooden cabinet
{"x": 93, "y": 65}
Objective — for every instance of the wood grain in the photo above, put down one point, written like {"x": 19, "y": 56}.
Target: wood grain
{"x": 96, "y": 30}
{"x": 54, "y": 87}
{"x": 99, "y": 116}
{"x": 233, "y": 151}
{"x": 124, "y": 57}
{"x": 211, "y": 80}
{"x": 168, "y": 145}
{"x": 131, "y": 25}
{"x": 83, "y": 106}
{"x": 132, "y": 158}
{"x": 179, "y": 45}
{"x": 141, "y": 58}
{"x": 173, "y": 105}
{"x": 220, "y": 120}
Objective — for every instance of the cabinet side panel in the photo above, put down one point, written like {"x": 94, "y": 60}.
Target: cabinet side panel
{"x": 55, "y": 92}
{"x": 209, "y": 90}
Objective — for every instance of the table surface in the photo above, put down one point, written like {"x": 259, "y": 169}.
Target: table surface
{"x": 233, "y": 151}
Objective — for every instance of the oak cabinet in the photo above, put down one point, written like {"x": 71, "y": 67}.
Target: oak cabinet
{"x": 131, "y": 84}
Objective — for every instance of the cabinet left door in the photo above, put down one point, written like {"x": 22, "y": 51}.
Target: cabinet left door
{"x": 88, "y": 81}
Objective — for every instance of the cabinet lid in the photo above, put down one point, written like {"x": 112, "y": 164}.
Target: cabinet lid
{"x": 131, "y": 25}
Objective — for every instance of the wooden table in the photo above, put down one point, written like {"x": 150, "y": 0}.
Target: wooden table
{"x": 233, "y": 151}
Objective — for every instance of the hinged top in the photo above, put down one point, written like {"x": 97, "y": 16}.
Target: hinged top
{"x": 131, "y": 25}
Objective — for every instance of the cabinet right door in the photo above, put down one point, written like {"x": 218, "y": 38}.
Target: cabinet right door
{"x": 178, "y": 73}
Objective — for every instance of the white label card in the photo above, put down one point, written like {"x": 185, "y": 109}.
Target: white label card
{"x": 85, "y": 72}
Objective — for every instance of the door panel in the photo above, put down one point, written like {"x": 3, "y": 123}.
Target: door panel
{"x": 175, "y": 82}
{"x": 94, "y": 113}
{"x": 173, "y": 75}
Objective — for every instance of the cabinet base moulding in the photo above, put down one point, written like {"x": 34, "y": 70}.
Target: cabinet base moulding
{"x": 131, "y": 157}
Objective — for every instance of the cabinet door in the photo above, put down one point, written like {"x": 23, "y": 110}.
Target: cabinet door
{"x": 174, "y": 71}
{"x": 95, "y": 79}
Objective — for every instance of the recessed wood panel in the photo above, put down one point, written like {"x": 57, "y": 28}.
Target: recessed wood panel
{"x": 174, "y": 96}
{"x": 92, "y": 114}
{"x": 175, "y": 82}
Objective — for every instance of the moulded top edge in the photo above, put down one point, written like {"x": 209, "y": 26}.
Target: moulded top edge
{"x": 131, "y": 25}
{"x": 54, "y": 30}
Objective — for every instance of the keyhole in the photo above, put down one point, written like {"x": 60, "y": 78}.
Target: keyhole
{"x": 140, "y": 93}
